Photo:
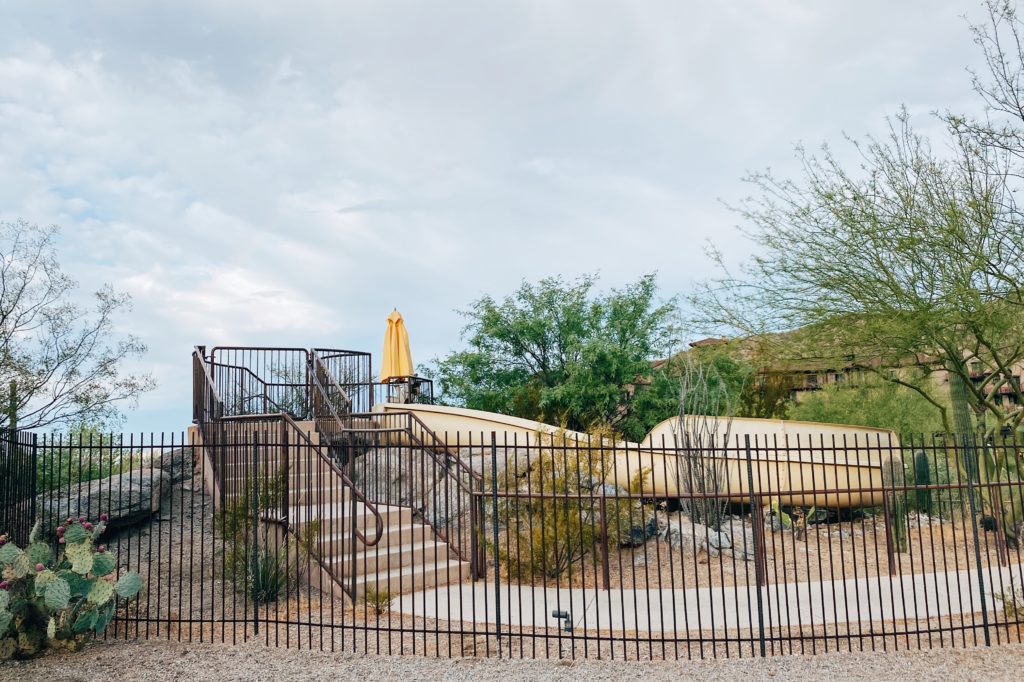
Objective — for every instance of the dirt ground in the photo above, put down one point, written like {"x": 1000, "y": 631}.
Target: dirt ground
{"x": 159, "y": 660}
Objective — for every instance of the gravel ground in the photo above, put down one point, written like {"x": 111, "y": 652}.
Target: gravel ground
{"x": 154, "y": 660}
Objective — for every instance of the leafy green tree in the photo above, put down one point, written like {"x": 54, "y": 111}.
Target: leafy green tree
{"x": 65, "y": 360}
{"x": 880, "y": 404}
{"x": 556, "y": 351}
{"x": 906, "y": 266}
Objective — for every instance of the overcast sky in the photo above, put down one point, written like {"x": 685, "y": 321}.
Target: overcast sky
{"x": 284, "y": 173}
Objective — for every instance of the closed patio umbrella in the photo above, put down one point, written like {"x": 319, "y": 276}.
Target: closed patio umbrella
{"x": 396, "y": 360}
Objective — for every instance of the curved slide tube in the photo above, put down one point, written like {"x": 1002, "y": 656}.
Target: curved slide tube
{"x": 797, "y": 461}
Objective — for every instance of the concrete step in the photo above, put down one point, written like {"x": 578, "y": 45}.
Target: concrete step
{"x": 298, "y": 458}
{"x": 337, "y": 518}
{"x": 340, "y": 544}
{"x": 413, "y": 578}
{"x": 322, "y": 474}
{"x": 378, "y": 559}
{"x": 303, "y": 496}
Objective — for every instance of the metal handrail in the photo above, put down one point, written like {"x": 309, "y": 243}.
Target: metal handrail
{"x": 266, "y": 398}
{"x": 410, "y": 432}
{"x": 356, "y": 492}
{"x": 318, "y": 362}
{"x": 199, "y": 359}
{"x": 476, "y": 475}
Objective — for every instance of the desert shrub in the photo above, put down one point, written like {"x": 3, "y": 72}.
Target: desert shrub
{"x": 58, "y": 600}
{"x": 378, "y": 601}
{"x": 257, "y": 565}
{"x": 558, "y": 523}
{"x": 1012, "y": 599}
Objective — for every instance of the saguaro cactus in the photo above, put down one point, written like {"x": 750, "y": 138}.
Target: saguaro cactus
{"x": 923, "y": 479}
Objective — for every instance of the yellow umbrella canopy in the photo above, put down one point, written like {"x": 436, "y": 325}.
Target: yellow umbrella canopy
{"x": 396, "y": 360}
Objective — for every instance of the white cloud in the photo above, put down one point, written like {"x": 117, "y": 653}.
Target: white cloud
{"x": 267, "y": 172}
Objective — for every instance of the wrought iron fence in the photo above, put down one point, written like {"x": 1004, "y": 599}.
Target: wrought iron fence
{"x": 539, "y": 545}
{"x": 17, "y": 484}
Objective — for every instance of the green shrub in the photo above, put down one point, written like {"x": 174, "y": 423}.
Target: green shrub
{"x": 61, "y": 600}
{"x": 560, "y": 523}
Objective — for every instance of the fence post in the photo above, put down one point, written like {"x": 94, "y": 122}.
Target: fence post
{"x": 974, "y": 530}
{"x": 284, "y": 473}
{"x": 35, "y": 480}
{"x": 254, "y": 545}
{"x": 474, "y": 541}
{"x": 757, "y": 522}
{"x": 605, "y": 571}
{"x": 890, "y": 481}
{"x": 995, "y": 494}
{"x": 494, "y": 522}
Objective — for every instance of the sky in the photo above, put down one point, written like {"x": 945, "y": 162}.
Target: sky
{"x": 285, "y": 173}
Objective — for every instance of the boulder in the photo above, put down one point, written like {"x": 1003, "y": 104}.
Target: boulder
{"x": 126, "y": 499}
{"x": 678, "y": 538}
{"x": 718, "y": 542}
{"x": 639, "y": 534}
{"x": 177, "y": 464}
{"x": 690, "y": 536}
{"x": 743, "y": 543}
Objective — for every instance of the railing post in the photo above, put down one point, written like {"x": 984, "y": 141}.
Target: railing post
{"x": 474, "y": 558}
{"x": 758, "y": 525}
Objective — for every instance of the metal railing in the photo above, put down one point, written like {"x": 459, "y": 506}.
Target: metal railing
{"x": 206, "y": 405}
{"x": 261, "y": 380}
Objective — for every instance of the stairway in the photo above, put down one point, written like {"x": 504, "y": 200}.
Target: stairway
{"x": 408, "y": 555}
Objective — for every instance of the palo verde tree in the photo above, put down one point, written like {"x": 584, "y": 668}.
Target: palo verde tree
{"x": 903, "y": 265}
{"x": 64, "y": 360}
{"x": 557, "y": 351}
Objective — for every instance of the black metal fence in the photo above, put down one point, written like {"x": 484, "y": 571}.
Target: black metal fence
{"x": 400, "y": 540}
{"x": 17, "y": 484}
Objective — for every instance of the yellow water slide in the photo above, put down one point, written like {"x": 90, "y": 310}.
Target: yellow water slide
{"x": 797, "y": 463}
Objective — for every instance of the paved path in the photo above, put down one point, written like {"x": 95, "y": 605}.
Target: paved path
{"x": 908, "y": 597}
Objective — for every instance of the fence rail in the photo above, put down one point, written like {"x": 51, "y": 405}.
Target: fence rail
{"x": 250, "y": 529}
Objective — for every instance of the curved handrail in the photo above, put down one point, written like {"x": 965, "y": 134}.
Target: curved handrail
{"x": 199, "y": 358}
{"x": 475, "y": 475}
{"x": 317, "y": 361}
{"x": 356, "y": 492}
{"x": 265, "y": 394}
{"x": 439, "y": 445}
{"x": 254, "y": 375}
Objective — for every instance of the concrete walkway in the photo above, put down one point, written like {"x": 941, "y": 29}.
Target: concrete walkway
{"x": 861, "y": 601}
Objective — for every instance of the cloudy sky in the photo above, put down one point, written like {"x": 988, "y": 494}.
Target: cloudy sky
{"x": 285, "y": 173}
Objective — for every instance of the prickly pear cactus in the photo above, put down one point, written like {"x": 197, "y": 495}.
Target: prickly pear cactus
{"x": 60, "y": 600}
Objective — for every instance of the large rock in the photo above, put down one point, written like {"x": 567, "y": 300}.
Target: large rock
{"x": 693, "y": 538}
{"x": 177, "y": 464}
{"x": 639, "y": 533}
{"x": 126, "y": 499}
